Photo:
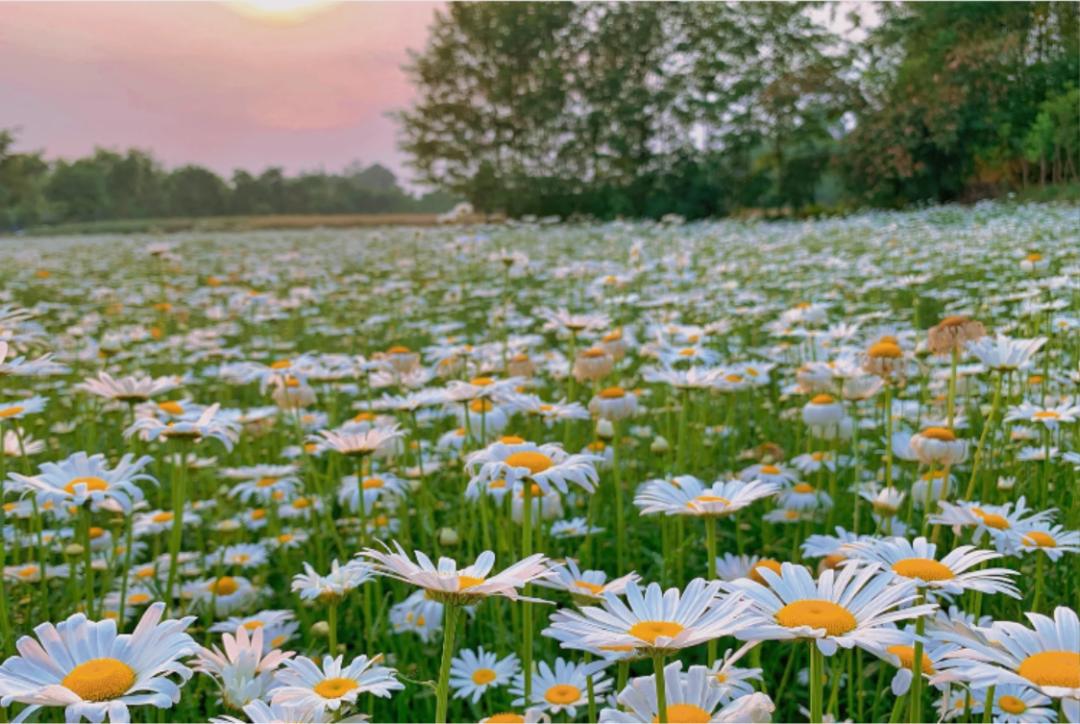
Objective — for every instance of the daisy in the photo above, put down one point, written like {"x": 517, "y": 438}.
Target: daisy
{"x": 562, "y": 688}
{"x": 573, "y": 528}
{"x": 372, "y": 488}
{"x": 243, "y": 670}
{"x": 613, "y": 403}
{"x": 1015, "y": 704}
{"x": 655, "y": 621}
{"x": 19, "y": 409}
{"x": 262, "y": 713}
{"x": 994, "y": 521}
{"x": 1003, "y": 354}
{"x": 334, "y": 586}
{"x": 939, "y": 446}
{"x": 846, "y": 607}
{"x": 1044, "y": 658}
{"x": 130, "y": 389}
{"x": 804, "y": 496}
{"x": 278, "y": 626}
{"x": 686, "y": 495}
{"x": 417, "y": 614}
{"x": 225, "y": 593}
{"x": 447, "y": 583}
{"x": 1053, "y": 540}
{"x": 585, "y": 586}
{"x": 548, "y": 466}
{"x": 81, "y": 478}
{"x": 733, "y": 681}
{"x": 689, "y": 697}
{"x": 769, "y": 473}
{"x": 263, "y": 483}
{"x": 730, "y": 567}
{"x": 833, "y": 548}
{"x": 535, "y": 715}
{"x": 303, "y": 682}
{"x": 377, "y": 441}
{"x": 473, "y": 673}
{"x": 93, "y": 672}
{"x": 207, "y": 424}
{"x": 1050, "y": 417}
{"x": 915, "y": 561}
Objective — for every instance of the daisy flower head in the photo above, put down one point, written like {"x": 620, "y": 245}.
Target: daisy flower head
{"x": 375, "y": 441}
{"x": 242, "y": 668}
{"x": 1003, "y": 354}
{"x": 548, "y": 466}
{"x": 574, "y": 528}
{"x": 769, "y": 473}
{"x": 16, "y": 410}
{"x": 1044, "y": 658}
{"x": 334, "y": 586}
{"x": 730, "y": 566}
{"x": 1050, "y": 417}
{"x": 331, "y": 685}
{"x": 939, "y": 446}
{"x": 562, "y": 687}
{"x": 689, "y": 697}
{"x": 207, "y": 423}
{"x": 584, "y": 586}
{"x": 733, "y": 681}
{"x": 1052, "y": 540}
{"x": 263, "y": 713}
{"x": 1015, "y": 704}
{"x": 999, "y": 522}
{"x": 83, "y": 478}
{"x": 417, "y": 614}
{"x": 93, "y": 672}
{"x": 474, "y": 672}
{"x": 613, "y": 403}
{"x": 916, "y": 561}
{"x": 845, "y": 607}
{"x": 224, "y": 594}
{"x": 686, "y": 495}
{"x": 654, "y": 620}
{"x": 130, "y": 389}
{"x": 535, "y": 715}
{"x": 370, "y": 489}
{"x": 885, "y": 358}
{"x": 278, "y": 626}
{"x": 447, "y": 583}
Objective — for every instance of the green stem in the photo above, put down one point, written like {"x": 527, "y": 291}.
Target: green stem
{"x": 526, "y": 606}
{"x": 988, "y": 706}
{"x": 88, "y": 564}
{"x": 442, "y": 691}
{"x": 915, "y": 704}
{"x": 977, "y": 459}
{"x": 331, "y": 622}
{"x": 661, "y": 694}
{"x": 175, "y": 535}
{"x": 710, "y": 551}
{"x": 816, "y": 686}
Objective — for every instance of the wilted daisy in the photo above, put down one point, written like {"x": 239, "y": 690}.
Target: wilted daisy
{"x": 473, "y": 673}
{"x": 562, "y": 687}
{"x": 915, "y": 561}
{"x": 332, "y": 685}
{"x": 93, "y": 672}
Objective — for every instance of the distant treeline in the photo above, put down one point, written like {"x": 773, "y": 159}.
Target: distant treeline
{"x": 133, "y": 185}
{"x": 701, "y": 109}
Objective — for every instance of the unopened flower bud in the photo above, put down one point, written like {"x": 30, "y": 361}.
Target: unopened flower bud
{"x": 448, "y": 537}
{"x": 320, "y": 628}
{"x": 659, "y": 445}
{"x": 73, "y": 550}
{"x": 604, "y": 429}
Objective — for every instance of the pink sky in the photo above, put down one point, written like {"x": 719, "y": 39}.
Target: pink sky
{"x": 209, "y": 84}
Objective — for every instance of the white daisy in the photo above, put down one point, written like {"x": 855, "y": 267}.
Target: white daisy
{"x": 81, "y": 478}
{"x": 686, "y": 495}
{"x": 563, "y": 688}
{"x": 303, "y": 682}
{"x": 242, "y": 669}
{"x": 473, "y": 673}
{"x": 584, "y": 585}
{"x": 548, "y": 466}
{"x": 333, "y": 586}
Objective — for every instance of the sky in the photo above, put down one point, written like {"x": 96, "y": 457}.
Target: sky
{"x": 224, "y": 85}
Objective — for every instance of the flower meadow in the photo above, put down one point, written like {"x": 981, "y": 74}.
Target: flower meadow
{"x": 627, "y": 472}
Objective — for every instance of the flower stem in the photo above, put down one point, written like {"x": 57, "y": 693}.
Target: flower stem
{"x": 526, "y": 606}
{"x": 331, "y": 621}
{"x": 661, "y": 694}
{"x": 915, "y": 704}
{"x": 816, "y": 686}
{"x": 175, "y": 535}
{"x": 977, "y": 459}
{"x": 442, "y": 691}
{"x": 710, "y": 551}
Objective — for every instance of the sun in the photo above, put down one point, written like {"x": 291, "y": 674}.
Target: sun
{"x": 280, "y": 11}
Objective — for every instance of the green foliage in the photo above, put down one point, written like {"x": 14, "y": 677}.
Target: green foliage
{"x": 704, "y": 108}
{"x": 108, "y": 186}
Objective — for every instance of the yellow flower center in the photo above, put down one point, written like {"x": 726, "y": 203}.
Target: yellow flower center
{"x": 562, "y": 694}
{"x": 224, "y": 586}
{"x": 468, "y": 582}
{"x": 1046, "y": 415}
{"x": 803, "y": 488}
{"x": 253, "y": 624}
{"x": 398, "y": 349}
{"x": 27, "y": 571}
{"x": 511, "y": 440}
{"x": 364, "y": 417}
{"x": 593, "y": 588}
{"x": 301, "y": 503}
{"x": 95, "y": 532}
{"x": 834, "y": 559}
{"x": 137, "y": 598}
{"x": 817, "y": 457}
{"x": 481, "y": 406}
{"x": 1052, "y": 668}
{"x": 992, "y": 520}
{"x": 258, "y": 514}
{"x": 926, "y": 569}
{"x": 266, "y": 482}
{"x": 612, "y": 393}
{"x": 822, "y": 400}
{"x": 11, "y": 411}
{"x": 92, "y": 484}
{"x": 755, "y": 575}
{"x": 100, "y": 679}
{"x": 593, "y": 353}
{"x": 171, "y": 407}
{"x": 770, "y": 469}
{"x": 939, "y": 433}
{"x": 481, "y": 381}
{"x": 1041, "y": 539}
{"x": 335, "y": 688}
{"x": 612, "y": 336}
{"x": 285, "y": 538}
{"x": 685, "y": 714}
{"x": 162, "y": 517}
{"x": 733, "y": 378}
{"x": 506, "y": 717}
{"x": 1033, "y": 257}
{"x": 906, "y": 654}
{"x": 483, "y": 676}
{"x": 817, "y": 613}
{"x": 652, "y": 630}
{"x": 536, "y": 462}
{"x": 1011, "y": 705}
{"x": 372, "y": 483}
{"x": 885, "y": 349}
{"x": 710, "y": 499}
